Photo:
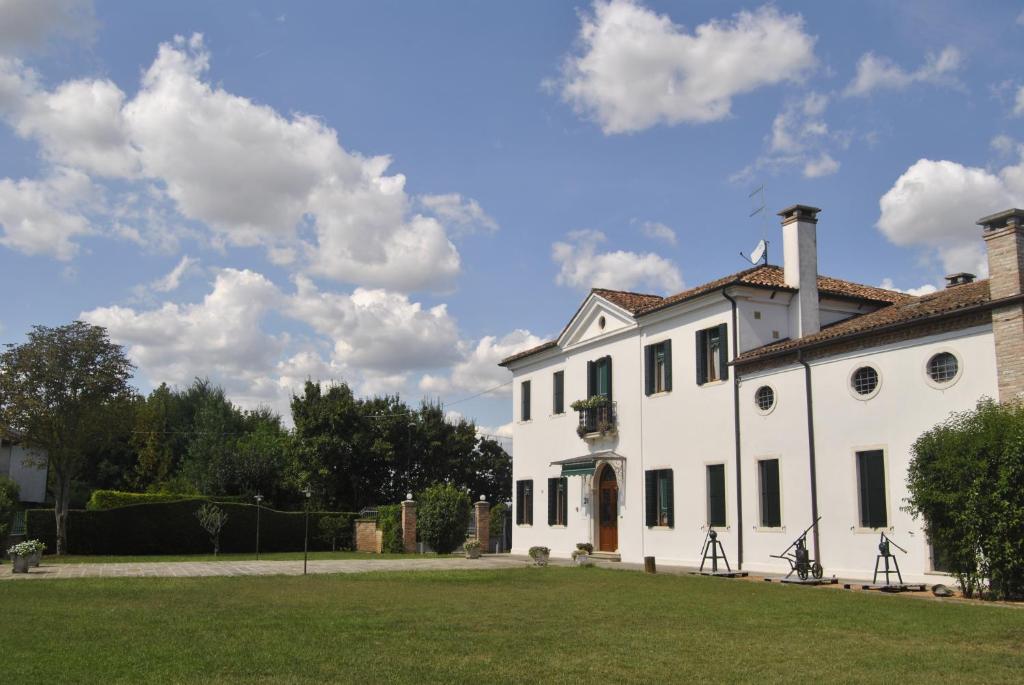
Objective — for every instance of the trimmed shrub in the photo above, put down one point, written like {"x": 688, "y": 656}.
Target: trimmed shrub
{"x": 101, "y": 500}
{"x": 442, "y": 517}
{"x": 172, "y": 528}
{"x": 389, "y": 520}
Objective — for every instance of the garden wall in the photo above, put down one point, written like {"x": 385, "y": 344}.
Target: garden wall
{"x": 172, "y": 528}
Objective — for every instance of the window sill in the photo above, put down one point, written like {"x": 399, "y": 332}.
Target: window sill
{"x": 524, "y": 525}
{"x": 521, "y": 422}
{"x": 661, "y": 528}
{"x": 719, "y": 529}
{"x": 861, "y": 530}
{"x": 556, "y": 415}
{"x": 556, "y": 525}
{"x": 711, "y": 384}
{"x": 770, "y": 529}
{"x": 663, "y": 393}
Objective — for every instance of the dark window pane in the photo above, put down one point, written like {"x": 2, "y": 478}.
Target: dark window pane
{"x": 871, "y": 476}
{"x": 771, "y": 510}
{"x": 716, "y": 495}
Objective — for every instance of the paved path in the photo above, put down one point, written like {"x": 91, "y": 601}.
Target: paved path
{"x": 182, "y": 569}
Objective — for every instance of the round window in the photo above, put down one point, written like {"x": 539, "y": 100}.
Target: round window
{"x": 864, "y": 380}
{"x": 764, "y": 398}
{"x": 943, "y": 367}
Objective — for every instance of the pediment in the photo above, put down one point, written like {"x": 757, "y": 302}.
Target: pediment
{"x": 596, "y": 318}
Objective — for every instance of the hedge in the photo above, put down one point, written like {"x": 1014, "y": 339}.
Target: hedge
{"x": 112, "y": 499}
{"x": 172, "y": 528}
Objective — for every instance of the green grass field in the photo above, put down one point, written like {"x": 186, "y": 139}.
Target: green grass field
{"x": 539, "y": 625}
{"x": 248, "y": 556}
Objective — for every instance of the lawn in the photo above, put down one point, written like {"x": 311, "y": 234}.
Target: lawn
{"x": 541, "y": 625}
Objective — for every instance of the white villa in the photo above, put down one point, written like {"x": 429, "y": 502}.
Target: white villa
{"x": 754, "y": 404}
{"x": 18, "y": 464}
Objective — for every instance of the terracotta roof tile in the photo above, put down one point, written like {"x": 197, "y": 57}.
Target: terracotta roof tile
{"x": 631, "y": 302}
{"x": 526, "y": 353}
{"x": 910, "y": 309}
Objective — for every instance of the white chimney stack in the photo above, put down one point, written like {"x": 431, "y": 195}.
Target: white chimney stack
{"x": 800, "y": 255}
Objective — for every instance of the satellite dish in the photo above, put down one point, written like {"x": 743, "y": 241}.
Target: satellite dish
{"x": 758, "y": 252}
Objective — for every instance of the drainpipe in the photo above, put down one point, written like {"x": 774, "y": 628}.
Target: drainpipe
{"x": 736, "y": 433}
{"x": 810, "y": 451}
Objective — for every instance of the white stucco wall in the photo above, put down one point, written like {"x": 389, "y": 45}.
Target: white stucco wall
{"x": 22, "y": 467}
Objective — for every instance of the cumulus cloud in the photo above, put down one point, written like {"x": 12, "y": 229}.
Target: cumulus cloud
{"x": 935, "y": 204}
{"x": 463, "y": 215}
{"x": 1018, "y": 102}
{"x": 823, "y": 165}
{"x": 30, "y": 24}
{"x": 925, "y": 289}
{"x": 582, "y": 266}
{"x": 635, "y": 68}
{"x": 377, "y": 330}
{"x": 172, "y": 279}
{"x": 655, "y": 230}
{"x": 43, "y": 217}
{"x": 478, "y": 370}
{"x": 875, "y": 72}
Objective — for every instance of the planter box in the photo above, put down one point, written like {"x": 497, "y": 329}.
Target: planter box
{"x": 19, "y": 564}
{"x": 542, "y": 559}
{"x": 35, "y": 558}
{"x": 582, "y": 560}
{"x": 473, "y": 553}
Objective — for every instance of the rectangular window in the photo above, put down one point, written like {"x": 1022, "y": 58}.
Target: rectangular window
{"x": 716, "y": 495}
{"x": 524, "y": 502}
{"x": 871, "y": 478}
{"x": 524, "y": 401}
{"x": 712, "y": 354}
{"x": 558, "y": 393}
{"x": 599, "y": 378}
{"x": 659, "y": 506}
{"x": 658, "y": 367}
{"x": 558, "y": 501}
{"x": 771, "y": 507}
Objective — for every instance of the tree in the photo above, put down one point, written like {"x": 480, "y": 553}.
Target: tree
{"x": 442, "y": 517}
{"x": 212, "y": 518}
{"x": 60, "y": 392}
{"x": 966, "y": 480}
{"x": 8, "y": 504}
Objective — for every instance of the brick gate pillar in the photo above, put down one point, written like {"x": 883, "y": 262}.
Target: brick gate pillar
{"x": 409, "y": 525}
{"x": 482, "y": 514}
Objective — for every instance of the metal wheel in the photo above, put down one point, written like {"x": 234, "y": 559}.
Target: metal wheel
{"x": 817, "y": 571}
{"x": 802, "y": 572}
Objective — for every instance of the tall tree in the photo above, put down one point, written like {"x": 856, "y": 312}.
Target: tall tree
{"x": 60, "y": 395}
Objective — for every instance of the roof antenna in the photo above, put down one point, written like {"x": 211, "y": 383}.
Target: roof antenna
{"x": 760, "y": 253}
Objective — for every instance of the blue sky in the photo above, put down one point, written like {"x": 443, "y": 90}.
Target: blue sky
{"x": 399, "y": 194}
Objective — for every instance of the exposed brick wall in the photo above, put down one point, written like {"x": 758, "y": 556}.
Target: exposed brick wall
{"x": 409, "y": 526}
{"x": 1005, "y": 245}
{"x": 482, "y": 514}
{"x": 1005, "y": 260}
{"x": 368, "y": 538}
{"x": 1008, "y": 331}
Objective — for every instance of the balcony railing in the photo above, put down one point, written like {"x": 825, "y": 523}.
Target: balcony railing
{"x": 599, "y": 420}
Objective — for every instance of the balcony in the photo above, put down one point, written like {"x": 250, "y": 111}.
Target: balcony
{"x": 597, "y": 421}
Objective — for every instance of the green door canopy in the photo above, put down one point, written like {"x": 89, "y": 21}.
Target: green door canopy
{"x": 586, "y": 465}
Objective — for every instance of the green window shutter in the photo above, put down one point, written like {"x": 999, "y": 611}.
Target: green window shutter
{"x": 702, "y": 344}
{"x": 519, "y": 502}
{"x": 528, "y": 513}
{"x": 669, "y": 497}
{"x": 591, "y": 379}
{"x": 716, "y": 495}
{"x": 609, "y": 366}
{"x": 552, "y": 501}
{"x": 723, "y": 350}
{"x": 563, "y": 489}
{"x": 524, "y": 410}
{"x": 649, "y": 370}
{"x": 558, "y": 398}
{"x": 668, "y": 364}
{"x": 651, "y": 495}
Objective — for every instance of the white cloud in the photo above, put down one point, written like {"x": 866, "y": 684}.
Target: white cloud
{"x": 801, "y": 137}
{"x": 636, "y": 68}
{"x": 478, "y": 369}
{"x": 1018, "y": 103}
{"x": 171, "y": 280}
{"x": 925, "y": 289}
{"x": 377, "y": 330}
{"x": 464, "y": 215}
{"x": 877, "y": 73}
{"x": 935, "y": 204}
{"x": 29, "y": 24}
{"x": 1005, "y": 145}
{"x": 655, "y": 230}
{"x": 220, "y": 337}
{"x": 582, "y": 266}
{"x": 822, "y": 165}
{"x": 42, "y": 217}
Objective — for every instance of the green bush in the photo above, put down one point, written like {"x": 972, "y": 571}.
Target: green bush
{"x": 442, "y": 517}
{"x": 101, "y": 500}
{"x": 335, "y": 529}
{"x": 497, "y": 527}
{"x": 389, "y": 520}
{"x": 966, "y": 480}
{"x": 172, "y": 528}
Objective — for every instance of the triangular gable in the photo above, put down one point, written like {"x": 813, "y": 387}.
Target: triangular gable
{"x": 586, "y": 324}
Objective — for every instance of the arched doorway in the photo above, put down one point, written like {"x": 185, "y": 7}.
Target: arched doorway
{"x": 607, "y": 510}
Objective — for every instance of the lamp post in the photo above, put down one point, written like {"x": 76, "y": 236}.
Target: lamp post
{"x": 259, "y": 498}
{"x": 305, "y": 543}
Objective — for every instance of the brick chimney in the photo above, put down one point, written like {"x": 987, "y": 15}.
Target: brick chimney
{"x": 800, "y": 264}
{"x": 1004, "y": 239}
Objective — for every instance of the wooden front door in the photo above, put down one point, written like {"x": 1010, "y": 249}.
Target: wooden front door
{"x": 608, "y": 511}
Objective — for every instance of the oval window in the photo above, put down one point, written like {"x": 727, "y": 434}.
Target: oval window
{"x": 764, "y": 398}
{"x": 864, "y": 380}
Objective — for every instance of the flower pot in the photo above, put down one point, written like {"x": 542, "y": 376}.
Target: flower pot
{"x": 541, "y": 559}
{"x": 35, "y": 557}
{"x": 19, "y": 564}
{"x": 581, "y": 560}
{"x": 473, "y": 553}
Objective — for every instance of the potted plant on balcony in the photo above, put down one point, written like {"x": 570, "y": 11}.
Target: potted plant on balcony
{"x": 472, "y": 549}
{"x": 540, "y": 555}
{"x": 581, "y": 555}
{"x": 19, "y": 554}
{"x": 596, "y": 423}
